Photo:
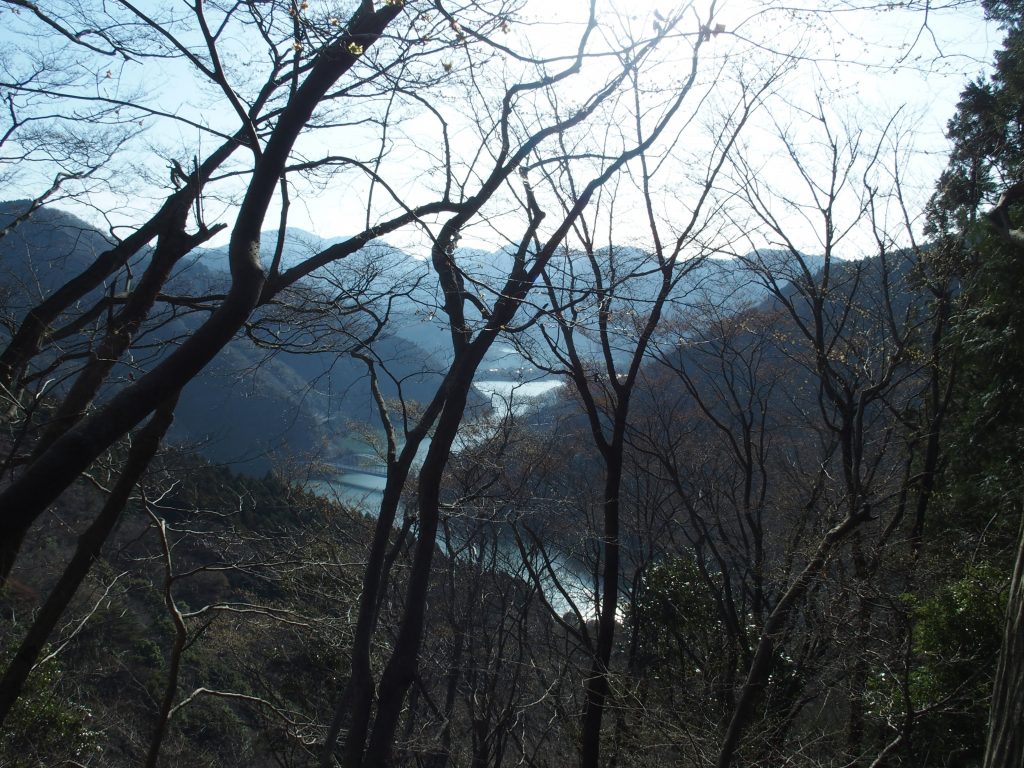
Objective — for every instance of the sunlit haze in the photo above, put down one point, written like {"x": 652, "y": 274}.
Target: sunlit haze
{"x": 887, "y": 74}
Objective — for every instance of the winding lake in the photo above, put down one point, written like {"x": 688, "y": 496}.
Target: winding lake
{"x": 364, "y": 490}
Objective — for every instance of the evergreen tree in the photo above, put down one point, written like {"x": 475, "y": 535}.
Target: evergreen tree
{"x": 974, "y": 217}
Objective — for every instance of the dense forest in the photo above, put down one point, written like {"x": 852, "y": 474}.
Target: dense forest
{"x": 649, "y": 412}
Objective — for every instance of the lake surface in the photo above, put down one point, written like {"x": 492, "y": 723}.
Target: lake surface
{"x": 515, "y": 396}
{"x": 364, "y": 490}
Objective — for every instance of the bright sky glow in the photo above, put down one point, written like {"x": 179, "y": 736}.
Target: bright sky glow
{"x": 869, "y": 68}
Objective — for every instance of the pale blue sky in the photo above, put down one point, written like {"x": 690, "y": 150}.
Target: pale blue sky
{"x": 863, "y": 65}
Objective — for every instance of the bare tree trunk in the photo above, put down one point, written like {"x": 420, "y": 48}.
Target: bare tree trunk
{"x": 90, "y": 543}
{"x": 357, "y": 697}
{"x": 53, "y": 471}
{"x": 451, "y": 400}
{"x": 401, "y": 667}
{"x": 596, "y": 686}
{"x": 764, "y": 657}
{"x": 1005, "y": 747}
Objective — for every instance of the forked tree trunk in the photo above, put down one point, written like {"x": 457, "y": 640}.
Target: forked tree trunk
{"x": 401, "y": 667}
{"x": 57, "y": 468}
{"x": 31, "y": 334}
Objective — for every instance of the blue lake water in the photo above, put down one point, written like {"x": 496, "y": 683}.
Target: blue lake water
{"x": 364, "y": 490}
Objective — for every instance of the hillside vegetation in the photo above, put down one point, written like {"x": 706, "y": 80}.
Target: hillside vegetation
{"x": 648, "y": 481}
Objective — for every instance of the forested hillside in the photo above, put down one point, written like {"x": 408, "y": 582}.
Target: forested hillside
{"x": 652, "y": 410}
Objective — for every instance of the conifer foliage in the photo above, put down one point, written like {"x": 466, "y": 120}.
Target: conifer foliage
{"x": 975, "y": 216}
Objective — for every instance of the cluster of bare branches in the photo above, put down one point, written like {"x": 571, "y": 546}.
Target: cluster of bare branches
{"x": 767, "y": 462}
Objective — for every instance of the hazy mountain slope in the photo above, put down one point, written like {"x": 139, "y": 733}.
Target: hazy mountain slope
{"x": 252, "y": 405}
{"x": 295, "y": 390}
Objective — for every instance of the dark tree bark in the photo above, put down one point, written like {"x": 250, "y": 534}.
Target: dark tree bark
{"x": 596, "y": 685}
{"x": 90, "y": 543}
{"x": 1005, "y": 745}
{"x": 451, "y": 403}
{"x": 57, "y": 467}
{"x": 31, "y": 334}
{"x": 401, "y": 667}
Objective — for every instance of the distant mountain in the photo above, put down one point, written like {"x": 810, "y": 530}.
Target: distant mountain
{"x": 415, "y": 297}
{"x": 39, "y": 254}
{"x": 298, "y": 246}
{"x": 253, "y": 405}
{"x": 291, "y": 388}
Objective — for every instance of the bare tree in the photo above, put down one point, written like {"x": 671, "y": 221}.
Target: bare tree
{"x": 606, "y": 304}
{"x": 249, "y": 279}
{"x": 856, "y": 337}
{"x": 534, "y": 175}
{"x": 300, "y": 83}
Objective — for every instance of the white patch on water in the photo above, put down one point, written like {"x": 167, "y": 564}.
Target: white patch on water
{"x": 515, "y": 396}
